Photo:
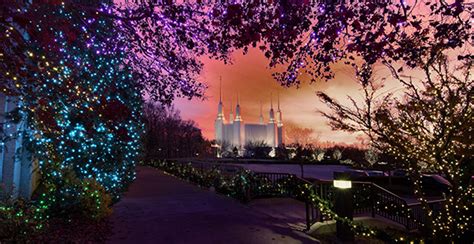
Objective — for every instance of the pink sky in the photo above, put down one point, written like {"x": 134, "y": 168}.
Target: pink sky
{"x": 250, "y": 76}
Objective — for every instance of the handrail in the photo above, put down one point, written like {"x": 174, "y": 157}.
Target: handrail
{"x": 379, "y": 200}
{"x": 379, "y": 187}
{"x": 428, "y": 202}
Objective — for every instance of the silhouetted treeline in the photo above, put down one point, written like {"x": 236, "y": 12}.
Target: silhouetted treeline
{"x": 309, "y": 153}
{"x": 167, "y": 135}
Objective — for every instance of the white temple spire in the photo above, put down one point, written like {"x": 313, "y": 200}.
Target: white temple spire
{"x": 261, "y": 113}
{"x": 272, "y": 113}
{"x": 279, "y": 114}
{"x": 237, "y": 109}
{"x": 220, "y": 107}
{"x": 220, "y": 119}
{"x": 231, "y": 114}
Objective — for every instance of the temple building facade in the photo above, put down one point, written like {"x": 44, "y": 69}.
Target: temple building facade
{"x": 235, "y": 133}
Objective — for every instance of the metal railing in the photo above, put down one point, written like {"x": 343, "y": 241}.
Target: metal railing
{"x": 417, "y": 215}
{"x": 271, "y": 185}
{"x": 225, "y": 169}
{"x": 369, "y": 199}
{"x": 389, "y": 205}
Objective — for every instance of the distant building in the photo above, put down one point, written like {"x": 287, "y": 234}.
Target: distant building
{"x": 235, "y": 133}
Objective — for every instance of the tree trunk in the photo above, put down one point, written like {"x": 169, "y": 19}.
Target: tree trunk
{"x": 302, "y": 170}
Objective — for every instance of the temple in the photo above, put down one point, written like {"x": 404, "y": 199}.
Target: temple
{"x": 234, "y": 133}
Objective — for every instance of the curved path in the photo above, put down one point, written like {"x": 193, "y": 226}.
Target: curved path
{"x": 160, "y": 208}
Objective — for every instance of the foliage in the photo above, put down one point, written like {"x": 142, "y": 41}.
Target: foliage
{"x": 79, "y": 104}
{"x": 235, "y": 185}
{"x": 245, "y": 184}
{"x": 301, "y": 153}
{"x": 337, "y": 154}
{"x": 164, "y": 42}
{"x": 404, "y": 32}
{"x": 17, "y": 220}
{"x": 21, "y": 220}
{"x": 423, "y": 129}
{"x": 428, "y": 131}
{"x": 295, "y": 134}
{"x": 282, "y": 153}
{"x": 347, "y": 161}
{"x": 82, "y": 109}
{"x": 257, "y": 149}
{"x": 94, "y": 201}
{"x": 371, "y": 156}
{"x": 318, "y": 155}
{"x": 167, "y": 135}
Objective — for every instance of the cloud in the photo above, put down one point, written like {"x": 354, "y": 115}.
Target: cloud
{"x": 250, "y": 77}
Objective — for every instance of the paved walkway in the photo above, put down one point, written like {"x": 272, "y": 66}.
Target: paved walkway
{"x": 159, "y": 208}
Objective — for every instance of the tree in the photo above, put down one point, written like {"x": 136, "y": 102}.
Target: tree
{"x": 299, "y": 135}
{"x": 79, "y": 109}
{"x": 282, "y": 153}
{"x": 163, "y": 42}
{"x": 257, "y": 149}
{"x": 428, "y": 129}
{"x": 159, "y": 46}
{"x": 337, "y": 155}
{"x": 423, "y": 129}
{"x": 169, "y": 136}
{"x": 319, "y": 154}
{"x": 371, "y": 157}
{"x": 369, "y": 32}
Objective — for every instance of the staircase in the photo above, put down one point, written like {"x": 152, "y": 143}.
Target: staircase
{"x": 369, "y": 199}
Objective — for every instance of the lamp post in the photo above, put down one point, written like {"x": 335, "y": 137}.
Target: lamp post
{"x": 217, "y": 147}
{"x": 343, "y": 205}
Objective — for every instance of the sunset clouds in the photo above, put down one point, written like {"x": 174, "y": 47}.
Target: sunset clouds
{"x": 250, "y": 76}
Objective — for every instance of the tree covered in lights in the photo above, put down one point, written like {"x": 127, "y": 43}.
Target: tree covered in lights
{"x": 81, "y": 102}
{"x": 428, "y": 129}
{"x": 163, "y": 42}
{"x": 79, "y": 69}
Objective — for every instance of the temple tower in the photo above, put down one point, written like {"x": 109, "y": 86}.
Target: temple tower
{"x": 231, "y": 114}
{"x": 271, "y": 126}
{"x": 238, "y": 123}
{"x": 261, "y": 121}
{"x": 279, "y": 124}
{"x": 219, "y": 122}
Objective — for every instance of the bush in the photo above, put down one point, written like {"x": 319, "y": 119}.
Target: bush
{"x": 17, "y": 221}
{"x": 22, "y": 220}
{"x": 94, "y": 201}
{"x": 80, "y": 198}
{"x": 232, "y": 185}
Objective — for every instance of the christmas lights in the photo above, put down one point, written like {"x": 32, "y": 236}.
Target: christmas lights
{"x": 243, "y": 184}
{"x": 82, "y": 108}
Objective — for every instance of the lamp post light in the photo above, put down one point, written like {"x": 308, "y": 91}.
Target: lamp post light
{"x": 343, "y": 205}
{"x": 217, "y": 147}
